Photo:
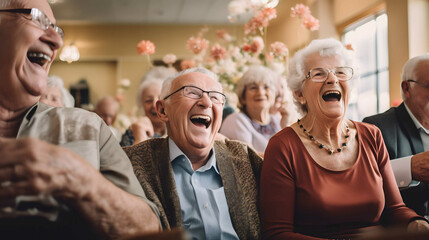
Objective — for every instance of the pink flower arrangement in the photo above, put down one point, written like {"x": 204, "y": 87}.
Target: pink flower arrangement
{"x": 223, "y": 34}
{"x": 217, "y": 52}
{"x": 260, "y": 20}
{"x": 257, "y": 45}
{"x": 197, "y": 44}
{"x": 169, "y": 59}
{"x": 278, "y": 49}
{"x": 300, "y": 10}
{"x": 187, "y": 63}
{"x": 303, "y": 12}
{"x": 145, "y": 47}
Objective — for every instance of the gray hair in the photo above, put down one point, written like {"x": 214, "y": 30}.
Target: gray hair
{"x": 166, "y": 85}
{"x": 325, "y": 47}
{"x": 66, "y": 98}
{"x": 155, "y": 75}
{"x": 408, "y": 71}
{"x": 259, "y": 75}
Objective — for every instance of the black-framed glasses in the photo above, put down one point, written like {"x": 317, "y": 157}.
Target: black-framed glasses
{"x": 419, "y": 83}
{"x": 196, "y": 93}
{"x": 321, "y": 74}
{"x": 38, "y": 17}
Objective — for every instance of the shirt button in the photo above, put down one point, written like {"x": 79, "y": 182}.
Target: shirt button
{"x": 206, "y": 205}
{"x": 402, "y": 183}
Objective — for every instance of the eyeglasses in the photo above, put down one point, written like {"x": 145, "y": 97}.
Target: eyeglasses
{"x": 197, "y": 93}
{"x": 37, "y": 17}
{"x": 321, "y": 74}
{"x": 419, "y": 83}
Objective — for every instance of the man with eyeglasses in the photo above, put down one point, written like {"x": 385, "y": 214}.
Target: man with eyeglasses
{"x": 62, "y": 173}
{"x": 405, "y": 131}
{"x": 207, "y": 187}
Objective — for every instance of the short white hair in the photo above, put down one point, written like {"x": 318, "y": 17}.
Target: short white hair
{"x": 324, "y": 47}
{"x": 166, "y": 85}
{"x": 409, "y": 68}
{"x": 256, "y": 74}
{"x": 66, "y": 98}
{"x": 154, "y": 76}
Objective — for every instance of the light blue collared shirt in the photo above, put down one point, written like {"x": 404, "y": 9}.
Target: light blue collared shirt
{"x": 202, "y": 198}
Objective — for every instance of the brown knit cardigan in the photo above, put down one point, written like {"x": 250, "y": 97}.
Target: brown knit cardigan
{"x": 239, "y": 167}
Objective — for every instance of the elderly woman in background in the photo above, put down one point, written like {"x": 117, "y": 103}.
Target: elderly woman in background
{"x": 149, "y": 126}
{"x": 254, "y": 124}
{"x": 56, "y": 95}
{"x": 283, "y": 104}
{"x": 327, "y": 176}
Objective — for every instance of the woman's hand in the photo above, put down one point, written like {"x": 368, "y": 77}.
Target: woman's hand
{"x": 142, "y": 130}
{"x": 418, "y": 226}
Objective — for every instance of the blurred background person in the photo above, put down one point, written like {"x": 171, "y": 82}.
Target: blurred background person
{"x": 107, "y": 108}
{"x": 326, "y": 176}
{"x": 254, "y": 124}
{"x": 56, "y": 94}
{"x": 149, "y": 125}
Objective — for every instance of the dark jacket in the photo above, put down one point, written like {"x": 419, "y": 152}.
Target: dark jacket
{"x": 402, "y": 139}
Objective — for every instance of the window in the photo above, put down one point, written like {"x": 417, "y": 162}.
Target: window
{"x": 368, "y": 38}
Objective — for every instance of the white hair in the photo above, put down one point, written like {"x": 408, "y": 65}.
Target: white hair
{"x": 166, "y": 85}
{"x": 408, "y": 71}
{"x": 256, "y": 74}
{"x": 324, "y": 47}
{"x": 155, "y": 75}
{"x": 66, "y": 98}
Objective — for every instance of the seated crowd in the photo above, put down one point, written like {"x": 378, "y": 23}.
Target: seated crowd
{"x": 64, "y": 175}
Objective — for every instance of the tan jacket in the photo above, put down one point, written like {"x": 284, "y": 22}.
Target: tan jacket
{"x": 239, "y": 167}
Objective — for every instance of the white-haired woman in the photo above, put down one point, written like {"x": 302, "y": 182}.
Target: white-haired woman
{"x": 55, "y": 94}
{"x": 254, "y": 124}
{"x": 149, "y": 126}
{"x": 327, "y": 177}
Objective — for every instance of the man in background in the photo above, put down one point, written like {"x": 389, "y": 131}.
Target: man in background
{"x": 405, "y": 131}
{"x": 62, "y": 174}
{"x": 107, "y": 108}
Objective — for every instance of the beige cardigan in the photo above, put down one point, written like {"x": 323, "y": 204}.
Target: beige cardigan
{"x": 239, "y": 167}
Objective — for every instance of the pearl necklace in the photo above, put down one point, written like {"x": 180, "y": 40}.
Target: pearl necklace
{"x": 320, "y": 145}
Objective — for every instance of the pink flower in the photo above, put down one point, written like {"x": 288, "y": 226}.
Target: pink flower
{"x": 278, "y": 49}
{"x": 310, "y": 23}
{"x": 119, "y": 97}
{"x": 246, "y": 47}
{"x": 145, "y": 47}
{"x": 260, "y": 20}
{"x": 187, "y": 63}
{"x": 300, "y": 10}
{"x": 217, "y": 52}
{"x": 349, "y": 47}
{"x": 257, "y": 45}
{"x": 169, "y": 59}
{"x": 197, "y": 44}
{"x": 223, "y": 34}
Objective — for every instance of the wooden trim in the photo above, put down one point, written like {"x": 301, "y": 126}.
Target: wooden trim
{"x": 375, "y": 9}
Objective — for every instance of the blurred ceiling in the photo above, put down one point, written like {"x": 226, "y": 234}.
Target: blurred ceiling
{"x": 141, "y": 11}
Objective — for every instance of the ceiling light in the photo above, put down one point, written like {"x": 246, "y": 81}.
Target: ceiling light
{"x": 69, "y": 54}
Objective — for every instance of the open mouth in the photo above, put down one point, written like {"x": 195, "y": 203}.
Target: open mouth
{"x": 332, "y": 96}
{"x": 201, "y": 120}
{"x": 38, "y": 58}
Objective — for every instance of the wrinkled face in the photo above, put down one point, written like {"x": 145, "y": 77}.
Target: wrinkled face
{"x": 26, "y": 54}
{"x": 326, "y": 99}
{"x": 52, "y": 96}
{"x": 259, "y": 96}
{"x": 193, "y": 123}
{"x": 416, "y": 96}
{"x": 107, "y": 111}
{"x": 148, "y": 101}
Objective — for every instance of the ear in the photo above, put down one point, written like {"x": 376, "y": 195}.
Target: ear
{"x": 160, "y": 110}
{"x": 299, "y": 97}
{"x": 405, "y": 88}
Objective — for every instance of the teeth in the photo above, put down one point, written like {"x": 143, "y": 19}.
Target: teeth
{"x": 329, "y": 92}
{"x": 39, "y": 55}
{"x": 206, "y": 118}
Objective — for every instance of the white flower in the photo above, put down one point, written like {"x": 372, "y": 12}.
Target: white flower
{"x": 278, "y": 67}
{"x": 125, "y": 83}
{"x": 169, "y": 59}
{"x": 237, "y": 7}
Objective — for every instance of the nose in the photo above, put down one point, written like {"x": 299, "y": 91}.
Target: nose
{"x": 331, "y": 78}
{"x": 205, "y": 101}
{"x": 52, "y": 38}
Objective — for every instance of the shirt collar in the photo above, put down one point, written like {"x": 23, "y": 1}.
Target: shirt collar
{"x": 416, "y": 122}
{"x": 175, "y": 152}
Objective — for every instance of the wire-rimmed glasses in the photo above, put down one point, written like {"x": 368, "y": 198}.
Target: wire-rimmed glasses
{"x": 196, "y": 93}
{"x": 321, "y": 74}
{"x": 38, "y": 17}
{"x": 419, "y": 83}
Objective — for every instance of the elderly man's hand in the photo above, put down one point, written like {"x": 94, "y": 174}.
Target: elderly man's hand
{"x": 32, "y": 167}
{"x": 418, "y": 226}
{"x": 142, "y": 130}
{"x": 420, "y": 166}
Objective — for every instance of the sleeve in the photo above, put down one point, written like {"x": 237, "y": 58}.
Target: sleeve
{"x": 235, "y": 127}
{"x": 277, "y": 193}
{"x": 127, "y": 138}
{"x": 395, "y": 212}
{"x": 117, "y": 168}
{"x": 402, "y": 171}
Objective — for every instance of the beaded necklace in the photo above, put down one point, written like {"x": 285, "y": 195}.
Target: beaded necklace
{"x": 320, "y": 145}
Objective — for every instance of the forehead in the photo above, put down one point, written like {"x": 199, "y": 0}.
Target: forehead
{"x": 197, "y": 79}
{"x": 422, "y": 71}
{"x": 314, "y": 60}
